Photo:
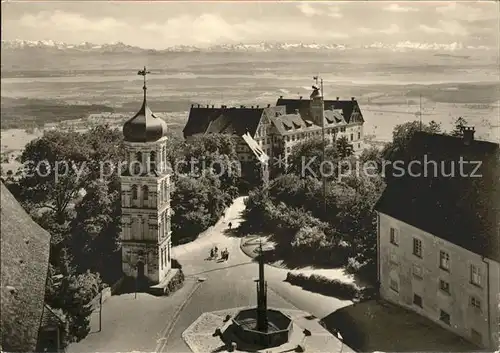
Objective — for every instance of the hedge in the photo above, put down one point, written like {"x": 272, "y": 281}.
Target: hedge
{"x": 175, "y": 283}
{"x": 324, "y": 285}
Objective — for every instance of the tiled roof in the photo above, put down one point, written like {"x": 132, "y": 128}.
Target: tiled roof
{"x": 50, "y": 318}
{"x": 293, "y": 123}
{"x": 239, "y": 120}
{"x": 25, "y": 260}
{"x": 463, "y": 210}
{"x": 350, "y": 108}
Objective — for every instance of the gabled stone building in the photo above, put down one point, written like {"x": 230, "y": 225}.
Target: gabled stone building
{"x": 438, "y": 241}
{"x": 277, "y": 129}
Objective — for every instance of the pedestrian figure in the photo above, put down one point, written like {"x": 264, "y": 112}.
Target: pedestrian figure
{"x": 215, "y": 251}
{"x": 230, "y": 225}
{"x": 212, "y": 253}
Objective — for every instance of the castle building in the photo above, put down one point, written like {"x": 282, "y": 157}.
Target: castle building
{"x": 145, "y": 187}
{"x": 438, "y": 241}
{"x": 278, "y": 129}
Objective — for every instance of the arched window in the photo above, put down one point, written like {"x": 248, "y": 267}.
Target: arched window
{"x": 145, "y": 193}
{"x": 138, "y": 163}
{"x": 152, "y": 161}
{"x": 134, "y": 192}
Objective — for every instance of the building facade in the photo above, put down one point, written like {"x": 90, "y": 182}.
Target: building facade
{"x": 145, "y": 187}
{"x": 438, "y": 243}
{"x": 277, "y": 129}
{"x": 448, "y": 284}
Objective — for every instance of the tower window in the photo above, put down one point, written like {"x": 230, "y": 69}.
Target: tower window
{"x": 152, "y": 161}
{"x": 145, "y": 193}
{"x": 134, "y": 192}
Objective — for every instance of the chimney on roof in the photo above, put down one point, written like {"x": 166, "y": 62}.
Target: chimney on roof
{"x": 353, "y": 98}
{"x": 198, "y": 105}
{"x": 300, "y": 97}
{"x": 192, "y": 105}
{"x": 208, "y": 106}
{"x": 257, "y": 106}
{"x": 212, "y": 105}
{"x": 338, "y": 98}
{"x": 281, "y": 97}
{"x": 269, "y": 105}
{"x": 242, "y": 106}
{"x": 252, "y": 106}
{"x": 468, "y": 135}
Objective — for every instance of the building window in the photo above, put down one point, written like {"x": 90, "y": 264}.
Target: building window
{"x": 134, "y": 192}
{"x": 444, "y": 260}
{"x": 394, "y": 236}
{"x": 444, "y": 286}
{"x": 417, "y": 271}
{"x": 393, "y": 284}
{"x": 359, "y": 135}
{"x": 475, "y": 275}
{"x": 352, "y": 137}
{"x": 417, "y": 247}
{"x": 475, "y": 303}
{"x": 417, "y": 300}
{"x": 145, "y": 193}
{"x": 444, "y": 317}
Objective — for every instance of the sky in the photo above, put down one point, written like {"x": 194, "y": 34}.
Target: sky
{"x": 165, "y": 24}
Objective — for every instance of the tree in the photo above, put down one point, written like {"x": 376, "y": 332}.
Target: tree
{"x": 96, "y": 228}
{"x": 307, "y": 157}
{"x": 344, "y": 148}
{"x": 401, "y": 136}
{"x": 459, "y": 124}
{"x": 73, "y": 295}
{"x": 53, "y": 173}
{"x": 309, "y": 238}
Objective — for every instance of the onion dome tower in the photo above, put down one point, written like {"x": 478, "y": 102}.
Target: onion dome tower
{"x": 145, "y": 188}
{"x": 144, "y": 126}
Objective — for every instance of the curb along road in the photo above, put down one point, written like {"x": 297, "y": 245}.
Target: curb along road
{"x": 165, "y": 333}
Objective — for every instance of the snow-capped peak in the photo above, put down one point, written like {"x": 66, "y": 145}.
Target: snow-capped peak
{"x": 240, "y": 47}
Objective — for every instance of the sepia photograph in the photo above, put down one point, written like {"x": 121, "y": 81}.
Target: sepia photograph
{"x": 250, "y": 176}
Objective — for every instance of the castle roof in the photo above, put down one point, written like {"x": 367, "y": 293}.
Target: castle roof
{"x": 349, "y": 108}
{"x": 462, "y": 209}
{"x": 25, "y": 260}
{"x": 222, "y": 120}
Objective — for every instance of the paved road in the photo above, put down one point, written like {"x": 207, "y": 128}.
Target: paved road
{"x": 151, "y": 324}
{"x": 230, "y": 284}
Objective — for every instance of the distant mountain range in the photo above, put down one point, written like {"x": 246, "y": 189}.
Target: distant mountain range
{"x": 49, "y": 45}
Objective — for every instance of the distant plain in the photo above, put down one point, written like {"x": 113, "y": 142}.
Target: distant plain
{"x": 389, "y": 86}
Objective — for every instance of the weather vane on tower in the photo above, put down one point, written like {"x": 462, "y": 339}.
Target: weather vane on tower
{"x": 143, "y": 73}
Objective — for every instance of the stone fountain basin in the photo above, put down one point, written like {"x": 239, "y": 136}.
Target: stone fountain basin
{"x": 279, "y": 327}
